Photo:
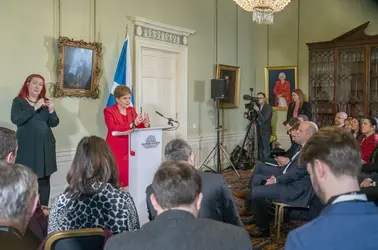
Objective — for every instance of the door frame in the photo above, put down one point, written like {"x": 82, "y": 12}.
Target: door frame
{"x": 182, "y": 77}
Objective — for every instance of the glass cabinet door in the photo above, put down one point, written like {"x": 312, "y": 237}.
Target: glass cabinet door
{"x": 321, "y": 86}
{"x": 373, "y": 90}
{"x": 350, "y": 94}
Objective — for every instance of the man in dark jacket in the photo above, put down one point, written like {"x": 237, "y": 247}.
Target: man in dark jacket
{"x": 217, "y": 203}
{"x": 177, "y": 199}
{"x": 264, "y": 120}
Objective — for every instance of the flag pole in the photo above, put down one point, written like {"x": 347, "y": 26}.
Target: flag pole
{"x": 127, "y": 28}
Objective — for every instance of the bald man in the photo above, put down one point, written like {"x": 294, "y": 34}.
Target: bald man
{"x": 340, "y": 118}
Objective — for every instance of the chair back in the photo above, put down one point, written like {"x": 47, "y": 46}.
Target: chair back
{"x": 78, "y": 239}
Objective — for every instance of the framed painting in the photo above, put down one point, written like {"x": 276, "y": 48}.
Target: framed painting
{"x": 280, "y": 82}
{"x": 78, "y": 68}
{"x": 232, "y": 76}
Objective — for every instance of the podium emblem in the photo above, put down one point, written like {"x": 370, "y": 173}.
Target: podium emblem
{"x": 150, "y": 142}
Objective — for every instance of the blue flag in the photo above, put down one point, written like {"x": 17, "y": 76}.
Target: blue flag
{"x": 123, "y": 74}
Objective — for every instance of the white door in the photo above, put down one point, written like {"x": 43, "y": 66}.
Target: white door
{"x": 158, "y": 88}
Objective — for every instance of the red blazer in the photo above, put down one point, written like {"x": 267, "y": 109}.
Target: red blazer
{"x": 367, "y": 146}
{"x": 119, "y": 145}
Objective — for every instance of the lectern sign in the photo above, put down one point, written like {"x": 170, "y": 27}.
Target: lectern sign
{"x": 150, "y": 142}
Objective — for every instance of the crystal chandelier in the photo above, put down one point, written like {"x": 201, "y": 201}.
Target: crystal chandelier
{"x": 263, "y": 9}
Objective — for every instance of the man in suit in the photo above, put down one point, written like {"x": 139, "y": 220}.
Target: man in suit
{"x": 177, "y": 199}
{"x": 19, "y": 199}
{"x": 288, "y": 183}
{"x": 217, "y": 203}
{"x": 264, "y": 120}
{"x": 348, "y": 221}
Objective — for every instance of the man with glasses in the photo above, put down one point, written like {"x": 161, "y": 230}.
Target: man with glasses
{"x": 264, "y": 120}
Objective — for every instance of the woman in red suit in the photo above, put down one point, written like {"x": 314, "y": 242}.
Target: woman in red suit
{"x": 119, "y": 117}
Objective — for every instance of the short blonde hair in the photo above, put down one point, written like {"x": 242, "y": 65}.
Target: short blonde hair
{"x": 121, "y": 90}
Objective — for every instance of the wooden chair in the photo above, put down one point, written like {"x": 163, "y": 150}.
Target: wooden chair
{"x": 279, "y": 215}
{"x": 78, "y": 239}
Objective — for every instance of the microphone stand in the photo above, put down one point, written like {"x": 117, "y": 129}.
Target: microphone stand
{"x": 170, "y": 120}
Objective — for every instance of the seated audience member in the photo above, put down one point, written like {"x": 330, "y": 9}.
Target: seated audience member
{"x": 303, "y": 118}
{"x": 217, "y": 202}
{"x": 18, "y": 201}
{"x": 177, "y": 199}
{"x": 288, "y": 183}
{"x": 340, "y": 118}
{"x": 290, "y": 124}
{"x": 348, "y": 124}
{"x": 356, "y": 127}
{"x": 370, "y": 138}
{"x": 37, "y": 227}
{"x": 92, "y": 198}
{"x": 278, "y": 161}
{"x": 348, "y": 221}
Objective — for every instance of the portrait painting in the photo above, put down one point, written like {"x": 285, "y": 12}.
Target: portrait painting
{"x": 232, "y": 76}
{"x": 78, "y": 68}
{"x": 280, "y": 82}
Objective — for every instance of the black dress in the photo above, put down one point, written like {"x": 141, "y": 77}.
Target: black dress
{"x": 305, "y": 110}
{"x": 36, "y": 142}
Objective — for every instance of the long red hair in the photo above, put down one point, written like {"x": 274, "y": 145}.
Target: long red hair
{"x": 25, "y": 90}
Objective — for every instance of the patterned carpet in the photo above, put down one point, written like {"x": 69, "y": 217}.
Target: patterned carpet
{"x": 237, "y": 183}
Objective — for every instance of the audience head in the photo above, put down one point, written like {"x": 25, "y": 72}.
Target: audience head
{"x": 369, "y": 126}
{"x": 8, "y": 145}
{"x": 303, "y": 118}
{"x": 291, "y": 123}
{"x": 177, "y": 185}
{"x": 333, "y": 168}
{"x": 356, "y": 124}
{"x": 305, "y": 131}
{"x": 340, "y": 118}
{"x": 179, "y": 150}
{"x": 298, "y": 97}
{"x": 33, "y": 86}
{"x": 122, "y": 94}
{"x": 18, "y": 195}
{"x": 294, "y": 133}
{"x": 261, "y": 97}
{"x": 93, "y": 163}
{"x": 348, "y": 124}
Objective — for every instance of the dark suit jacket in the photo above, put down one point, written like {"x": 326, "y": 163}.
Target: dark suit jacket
{"x": 178, "y": 229}
{"x": 293, "y": 188}
{"x": 217, "y": 202}
{"x": 344, "y": 225}
{"x": 265, "y": 118}
{"x": 305, "y": 110}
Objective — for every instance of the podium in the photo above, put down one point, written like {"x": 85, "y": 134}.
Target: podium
{"x": 145, "y": 157}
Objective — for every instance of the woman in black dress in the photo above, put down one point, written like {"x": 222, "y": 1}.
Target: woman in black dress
{"x": 298, "y": 106}
{"x": 34, "y": 116}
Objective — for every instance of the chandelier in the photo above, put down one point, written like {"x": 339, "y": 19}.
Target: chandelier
{"x": 263, "y": 9}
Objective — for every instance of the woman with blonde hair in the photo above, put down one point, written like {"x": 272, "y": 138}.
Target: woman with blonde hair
{"x": 298, "y": 106}
{"x": 122, "y": 117}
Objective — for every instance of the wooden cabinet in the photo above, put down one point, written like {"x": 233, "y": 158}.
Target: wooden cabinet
{"x": 343, "y": 76}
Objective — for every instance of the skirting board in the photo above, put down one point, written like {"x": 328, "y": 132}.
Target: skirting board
{"x": 201, "y": 146}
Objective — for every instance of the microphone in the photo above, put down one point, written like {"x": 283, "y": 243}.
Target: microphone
{"x": 170, "y": 120}
{"x": 132, "y": 118}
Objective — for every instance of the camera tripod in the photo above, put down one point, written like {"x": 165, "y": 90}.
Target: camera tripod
{"x": 251, "y": 134}
{"x": 218, "y": 148}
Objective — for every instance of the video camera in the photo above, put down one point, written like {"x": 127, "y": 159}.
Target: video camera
{"x": 251, "y": 113}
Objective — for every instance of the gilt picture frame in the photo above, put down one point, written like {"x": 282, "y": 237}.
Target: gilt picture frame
{"x": 232, "y": 76}
{"x": 280, "y": 82}
{"x": 78, "y": 68}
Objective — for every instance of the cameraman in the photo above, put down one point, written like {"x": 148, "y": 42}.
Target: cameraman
{"x": 264, "y": 121}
